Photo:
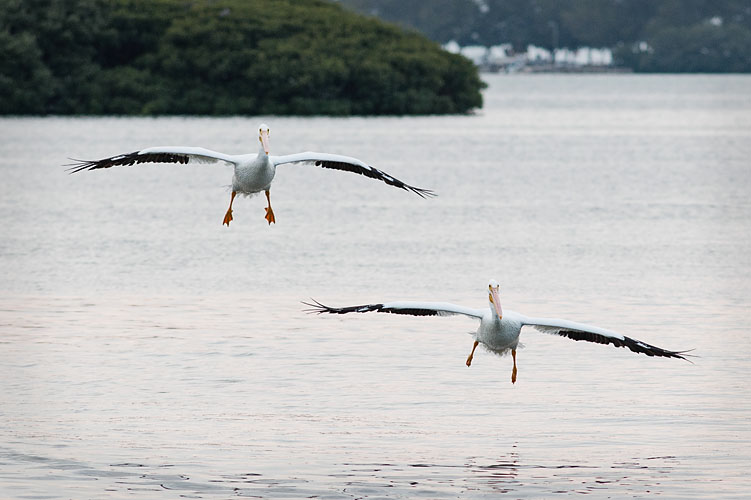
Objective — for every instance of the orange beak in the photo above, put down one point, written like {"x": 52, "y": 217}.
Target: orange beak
{"x": 264, "y": 138}
{"x": 496, "y": 301}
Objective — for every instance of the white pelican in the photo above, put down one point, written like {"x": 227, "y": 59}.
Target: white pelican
{"x": 499, "y": 332}
{"x": 253, "y": 172}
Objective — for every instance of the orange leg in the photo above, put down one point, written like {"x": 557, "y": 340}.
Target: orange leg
{"x": 269, "y": 211}
{"x": 513, "y": 372}
{"x": 228, "y": 215}
{"x": 471, "y": 354}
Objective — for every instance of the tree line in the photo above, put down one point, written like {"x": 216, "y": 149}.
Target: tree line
{"x": 221, "y": 57}
{"x": 646, "y": 35}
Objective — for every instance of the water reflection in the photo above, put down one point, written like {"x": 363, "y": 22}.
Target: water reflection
{"x": 476, "y": 477}
{"x": 499, "y": 477}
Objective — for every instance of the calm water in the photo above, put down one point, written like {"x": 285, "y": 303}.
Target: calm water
{"x": 149, "y": 352}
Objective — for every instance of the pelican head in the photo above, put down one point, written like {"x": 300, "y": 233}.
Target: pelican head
{"x": 263, "y": 136}
{"x": 495, "y": 301}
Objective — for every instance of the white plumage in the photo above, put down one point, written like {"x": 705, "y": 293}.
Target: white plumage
{"x": 253, "y": 173}
{"x": 498, "y": 330}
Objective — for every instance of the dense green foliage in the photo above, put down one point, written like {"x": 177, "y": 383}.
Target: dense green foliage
{"x": 647, "y": 35}
{"x": 220, "y": 57}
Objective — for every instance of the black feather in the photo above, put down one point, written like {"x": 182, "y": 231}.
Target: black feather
{"x": 126, "y": 160}
{"x": 320, "y": 309}
{"x": 632, "y": 344}
{"x": 374, "y": 173}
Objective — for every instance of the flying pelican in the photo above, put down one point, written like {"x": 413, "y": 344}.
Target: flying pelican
{"x": 499, "y": 332}
{"x": 253, "y": 172}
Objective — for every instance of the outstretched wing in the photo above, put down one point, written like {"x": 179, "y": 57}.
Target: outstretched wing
{"x": 411, "y": 308}
{"x": 162, "y": 154}
{"x": 580, "y": 331}
{"x": 348, "y": 164}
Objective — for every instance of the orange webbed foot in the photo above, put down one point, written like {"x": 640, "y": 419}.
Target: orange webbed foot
{"x": 227, "y": 218}
{"x": 270, "y": 215}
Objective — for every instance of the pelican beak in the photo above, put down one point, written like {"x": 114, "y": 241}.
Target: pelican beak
{"x": 496, "y": 301}
{"x": 264, "y": 138}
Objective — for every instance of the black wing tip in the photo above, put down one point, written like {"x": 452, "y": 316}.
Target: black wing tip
{"x": 652, "y": 350}
{"x": 421, "y": 192}
{"x": 629, "y": 343}
{"x": 127, "y": 160}
{"x": 374, "y": 173}
{"x": 683, "y": 355}
{"x": 317, "y": 307}
{"x": 78, "y": 165}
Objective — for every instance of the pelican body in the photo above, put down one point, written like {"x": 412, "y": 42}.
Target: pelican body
{"x": 499, "y": 332}
{"x": 253, "y": 173}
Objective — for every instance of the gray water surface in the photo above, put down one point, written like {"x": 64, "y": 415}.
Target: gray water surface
{"x": 149, "y": 352}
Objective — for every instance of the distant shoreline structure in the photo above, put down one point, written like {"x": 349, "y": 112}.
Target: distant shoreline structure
{"x": 503, "y": 59}
{"x": 559, "y": 68}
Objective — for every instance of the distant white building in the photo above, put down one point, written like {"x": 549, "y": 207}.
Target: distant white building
{"x": 601, "y": 57}
{"x": 502, "y": 57}
{"x": 478, "y": 54}
{"x": 564, "y": 57}
{"x": 495, "y": 58}
{"x": 538, "y": 54}
{"x": 500, "y": 54}
{"x": 584, "y": 56}
{"x": 452, "y": 47}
